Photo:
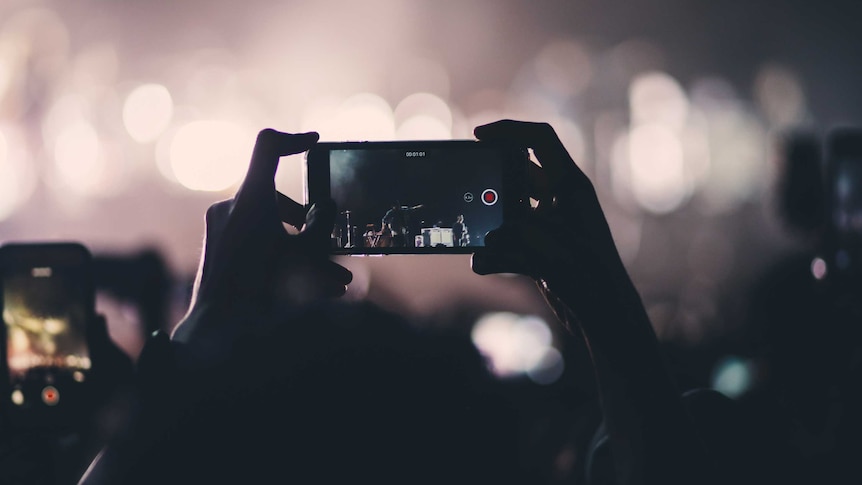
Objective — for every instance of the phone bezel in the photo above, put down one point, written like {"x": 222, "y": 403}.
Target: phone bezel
{"x": 513, "y": 194}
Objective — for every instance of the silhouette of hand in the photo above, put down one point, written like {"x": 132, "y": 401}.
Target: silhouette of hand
{"x": 249, "y": 260}
{"x": 564, "y": 243}
{"x": 112, "y": 368}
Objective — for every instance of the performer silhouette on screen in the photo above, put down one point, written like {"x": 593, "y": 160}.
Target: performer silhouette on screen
{"x": 396, "y": 222}
{"x": 460, "y": 235}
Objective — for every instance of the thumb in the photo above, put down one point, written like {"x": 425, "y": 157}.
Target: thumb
{"x": 269, "y": 147}
{"x": 502, "y": 254}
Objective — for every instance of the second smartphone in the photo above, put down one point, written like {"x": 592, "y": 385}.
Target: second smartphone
{"x": 47, "y": 302}
{"x": 417, "y": 197}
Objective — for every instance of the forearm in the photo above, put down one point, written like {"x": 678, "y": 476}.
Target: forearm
{"x": 653, "y": 440}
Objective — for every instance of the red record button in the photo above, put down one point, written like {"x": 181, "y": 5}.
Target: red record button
{"x": 489, "y": 196}
{"x": 50, "y": 395}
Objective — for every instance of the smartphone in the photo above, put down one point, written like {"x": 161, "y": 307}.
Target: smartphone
{"x": 417, "y": 197}
{"x": 48, "y": 298}
{"x": 844, "y": 174}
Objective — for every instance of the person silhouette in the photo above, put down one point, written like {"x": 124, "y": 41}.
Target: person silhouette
{"x": 267, "y": 378}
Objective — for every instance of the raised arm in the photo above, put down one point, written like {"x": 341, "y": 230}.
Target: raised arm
{"x": 565, "y": 244}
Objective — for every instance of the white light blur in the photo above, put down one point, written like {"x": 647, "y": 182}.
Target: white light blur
{"x": 515, "y": 344}
{"x": 563, "y": 67}
{"x": 732, "y": 376}
{"x": 210, "y": 155}
{"x": 69, "y": 109}
{"x": 819, "y": 268}
{"x": 318, "y": 112}
{"x": 424, "y": 105}
{"x": 6, "y": 70}
{"x": 80, "y": 160}
{"x": 738, "y": 159}
{"x": 655, "y": 170}
{"x": 713, "y": 93}
{"x": 361, "y": 117}
{"x": 95, "y": 68}
{"x": 549, "y": 368}
{"x": 779, "y": 93}
{"x": 417, "y": 74}
{"x": 423, "y": 128}
{"x": 18, "y": 397}
{"x": 17, "y": 177}
{"x": 656, "y": 97}
{"x": 695, "y": 147}
{"x": 147, "y": 112}
{"x": 45, "y": 34}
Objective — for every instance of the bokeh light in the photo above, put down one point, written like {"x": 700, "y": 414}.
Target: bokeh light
{"x": 780, "y": 96}
{"x": 563, "y": 67}
{"x": 732, "y": 376}
{"x": 516, "y": 345}
{"x": 8, "y": 67}
{"x": 17, "y": 178}
{"x": 423, "y": 116}
{"x": 674, "y": 136}
{"x": 210, "y": 155}
{"x": 361, "y": 117}
{"x": 737, "y": 154}
{"x": 147, "y": 112}
{"x": 423, "y": 128}
{"x": 656, "y": 97}
{"x": 95, "y": 68}
{"x": 418, "y": 74}
{"x": 819, "y": 269}
{"x": 648, "y": 164}
{"x": 80, "y": 159}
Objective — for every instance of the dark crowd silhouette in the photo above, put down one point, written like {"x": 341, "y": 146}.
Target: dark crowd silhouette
{"x": 270, "y": 378}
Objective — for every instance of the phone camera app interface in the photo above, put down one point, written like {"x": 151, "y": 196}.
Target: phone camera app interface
{"x": 395, "y": 200}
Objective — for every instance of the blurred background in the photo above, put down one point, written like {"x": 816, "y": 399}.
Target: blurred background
{"x": 121, "y": 121}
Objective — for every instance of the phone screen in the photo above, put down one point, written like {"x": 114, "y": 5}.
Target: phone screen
{"x": 416, "y": 197}
{"x": 47, "y": 301}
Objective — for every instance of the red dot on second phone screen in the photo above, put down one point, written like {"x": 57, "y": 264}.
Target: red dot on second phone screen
{"x": 50, "y": 395}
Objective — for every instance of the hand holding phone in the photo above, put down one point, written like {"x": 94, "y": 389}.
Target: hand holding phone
{"x": 250, "y": 262}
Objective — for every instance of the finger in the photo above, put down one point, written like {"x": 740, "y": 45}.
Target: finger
{"x": 338, "y": 276}
{"x": 526, "y": 248}
{"x": 215, "y": 221}
{"x": 290, "y": 211}
{"x": 485, "y": 261}
{"x": 538, "y": 185}
{"x": 315, "y": 280}
{"x": 562, "y": 172}
{"x": 503, "y": 253}
{"x": 268, "y": 148}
